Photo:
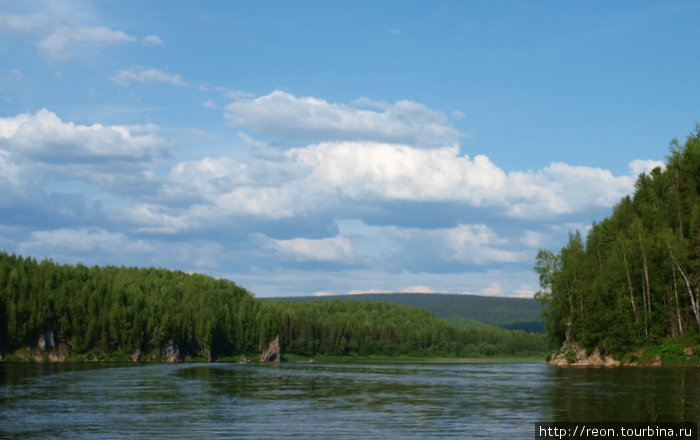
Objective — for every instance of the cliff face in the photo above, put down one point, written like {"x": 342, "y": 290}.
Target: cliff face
{"x": 46, "y": 349}
{"x": 49, "y": 348}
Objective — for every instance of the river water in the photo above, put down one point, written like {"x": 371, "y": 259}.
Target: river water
{"x": 476, "y": 400}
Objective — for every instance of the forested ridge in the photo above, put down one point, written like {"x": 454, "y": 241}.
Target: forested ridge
{"x": 635, "y": 279}
{"x": 505, "y": 312}
{"x": 112, "y": 312}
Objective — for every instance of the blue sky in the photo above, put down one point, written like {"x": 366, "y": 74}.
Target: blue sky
{"x": 323, "y": 147}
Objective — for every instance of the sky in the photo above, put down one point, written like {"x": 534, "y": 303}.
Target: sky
{"x": 314, "y": 148}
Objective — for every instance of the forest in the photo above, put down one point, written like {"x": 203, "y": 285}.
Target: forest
{"x": 462, "y": 310}
{"x": 635, "y": 280}
{"x": 111, "y": 312}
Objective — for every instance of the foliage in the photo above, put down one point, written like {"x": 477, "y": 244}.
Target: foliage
{"x": 110, "y": 312}
{"x": 636, "y": 278}
{"x": 511, "y": 313}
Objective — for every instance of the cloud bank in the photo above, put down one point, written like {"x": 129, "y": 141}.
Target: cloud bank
{"x": 378, "y": 189}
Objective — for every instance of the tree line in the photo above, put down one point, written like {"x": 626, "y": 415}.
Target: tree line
{"x": 124, "y": 309}
{"x": 636, "y": 278}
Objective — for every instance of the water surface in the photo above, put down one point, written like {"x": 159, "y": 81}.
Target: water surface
{"x": 301, "y": 400}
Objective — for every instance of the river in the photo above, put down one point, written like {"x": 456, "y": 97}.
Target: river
{"x": 475, "y": 400}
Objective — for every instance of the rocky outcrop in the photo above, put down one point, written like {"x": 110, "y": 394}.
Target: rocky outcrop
{"x": 574, "y": 355}
{"x": 273, "y": 352}
{"x": 60, "y": 353}
{"x": 46, "y": 341}
{"x": 47, "y": 349}
{"x": 170, "y": 352}
{"x": 136, "y": 355}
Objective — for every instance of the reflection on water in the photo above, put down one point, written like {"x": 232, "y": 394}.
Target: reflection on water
{"x": 631, "y": 394}
{"x": 384, "y": 400}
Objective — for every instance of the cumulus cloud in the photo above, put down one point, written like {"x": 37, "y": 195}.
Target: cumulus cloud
{"x": 371, "y": 158}
{"x": 315, "y": 178}
{"x": 85, "y": 242}
{"x": 475, "y": 244}
{"x": 533, "y": 239}
{"x": 562, "y": 189}
{"x": 44, "y": 137}
{"x": 463, "y": 244}
{"x": 639, "y": 166}
{"x": 323, "y": 249}
{"x": 380, "y": 171}
{"x": 151, "y": 76}
{"x": 36, "y": 148}
{"x": 310, "y": 119}
{"x": 92, "y": 245}
{"x": 376, "y": 171}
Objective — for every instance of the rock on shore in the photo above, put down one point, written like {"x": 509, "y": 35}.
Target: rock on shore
{"x": 572, "y": 354}
{"x": 273, "y": 352}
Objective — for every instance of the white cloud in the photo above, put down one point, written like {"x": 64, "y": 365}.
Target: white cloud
{"x": 417, "y": 289}
{"x": 307, "y": 118}
{"x": 378, "y": 171}
{"x": 38, "y": 149}
{"x": 524, "y": 291}
{"x": 639, "y": 166}
{"x": 323, "y": 249}
{"x": 495, "y": 289}
{"x": 79, "y": 241}
{"x": 318, "y": 177}
{"x": 152, "y": 40}
{"x": 58, "y": 46}
{"x": 24, "y": 23}
{"x": 322, "y": 293}
{"x": 274, "y": 281}
{"x": 562, "y": 189}
{"x": 97, "y": 245}
{"x": 372, "y": 171}
{"x": 45, "y": 137}
{"x": 475, "y": 244}
{"x": 59, "y": 30}
{"x": 152, "y": 76}
{"x": 154, "y": 218}
{"x": 534, "y": 239}
{"x": 367, "y": 291}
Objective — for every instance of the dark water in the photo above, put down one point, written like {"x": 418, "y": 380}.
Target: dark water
{"x": 491, "y": 400}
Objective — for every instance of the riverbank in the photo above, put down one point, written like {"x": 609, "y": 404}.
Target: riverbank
{"x": 683, "y": 351}
{"x": 27, "y": 356}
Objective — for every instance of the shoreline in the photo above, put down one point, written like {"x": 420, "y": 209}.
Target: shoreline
{"x": 286, "y": 358}
{"x": 672, "y": 352}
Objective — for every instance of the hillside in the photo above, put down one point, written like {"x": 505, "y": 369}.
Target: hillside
{"x": 509, "y": 313}
{"x": 634, "y": 279}
{"x": 62, "y": 312}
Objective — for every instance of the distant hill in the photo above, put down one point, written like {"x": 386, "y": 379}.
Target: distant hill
{"x": 510, "y": 313}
